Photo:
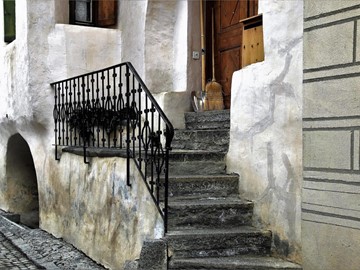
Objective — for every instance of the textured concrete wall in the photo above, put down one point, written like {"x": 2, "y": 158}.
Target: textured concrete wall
{"x": 331, "y": 193}
{"x": 110, "y": 227}
{"x": 266, "y": 127}
{"x": 91, "y": 207}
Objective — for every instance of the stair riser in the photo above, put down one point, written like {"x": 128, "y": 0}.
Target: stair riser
{"x": 208, "y": 120}
{"x": 210, "y": 217}
{"x": 197, "y": 168}
{"x": 209, "y": 125}
{"x": 219, "y": 246}
{"x": 196, "y": 156}
{"x": 236, "y": 267}
{"x": 211, "y": 140}
{"x": 217, "y": 187}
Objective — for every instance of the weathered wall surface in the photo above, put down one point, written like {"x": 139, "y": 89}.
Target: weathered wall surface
{"x": 331, "y": 187}
{"x": 91, "y": 207}
{"x": 47, "y": 49}
{"x": 266, "y": 127}
{"x": 167, "y": 56}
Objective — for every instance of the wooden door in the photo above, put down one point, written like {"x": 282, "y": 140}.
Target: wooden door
{"x": 228, "y": 38}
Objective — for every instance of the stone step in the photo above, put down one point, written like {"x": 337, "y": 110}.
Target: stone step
{"x": 196, "y": 162}
{"x": 209, "y": 213}
{"x": 211, "y": 140}
{"x": 218, "y": 242}
{"x": 208, "y": 120}
{"x": 203, "y": 185}
{"x": 232, "y": 263}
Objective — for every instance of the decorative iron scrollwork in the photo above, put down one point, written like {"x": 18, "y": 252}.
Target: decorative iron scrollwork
{"x": 113, "y": 108}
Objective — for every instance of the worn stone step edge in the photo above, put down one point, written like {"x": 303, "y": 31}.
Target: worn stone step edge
{"x": 197, "y": 168}
{"x": 209, "y": 202}
{"x": 209, "y": 213}
{"x": 214, "y": 114}
{"x": 216, "y": 232}
{"x": 201, "y": 146}
{"x": 208, "y": 119}
{"x": 215, "y": 140}
{"x": 191, "y": 155}
{"x": 218, "y": 242}
{"x": 203, "y": 185}
{"x": 238, "y": 262}
{"x": 196, "y": 133}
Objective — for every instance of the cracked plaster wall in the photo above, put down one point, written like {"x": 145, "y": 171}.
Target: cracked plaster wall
{"x": 266, "y": 127}
{"x": 91, "y": 207}
{"x": 47, "y": 49}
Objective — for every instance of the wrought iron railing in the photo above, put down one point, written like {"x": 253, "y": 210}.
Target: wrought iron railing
{"x": 113, "y": 108}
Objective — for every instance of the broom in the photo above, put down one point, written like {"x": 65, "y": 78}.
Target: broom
{"x": 203, "y": 99}
{"x": 213, "y": 89}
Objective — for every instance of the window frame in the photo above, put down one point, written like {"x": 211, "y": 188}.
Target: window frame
{"x": 9, "y": 12}
{"x": 99, "y": 10}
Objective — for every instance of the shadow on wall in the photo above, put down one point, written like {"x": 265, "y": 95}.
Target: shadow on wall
{"x": 22, "y": 190}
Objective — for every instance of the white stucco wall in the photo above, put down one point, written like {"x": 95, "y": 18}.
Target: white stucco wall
{"x": 48, "y": 49}
{"x": 266, "y": 127}
{"x": 158, "y": 38}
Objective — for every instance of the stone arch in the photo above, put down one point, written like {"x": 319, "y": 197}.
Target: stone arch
{"x": 22, "y": 189}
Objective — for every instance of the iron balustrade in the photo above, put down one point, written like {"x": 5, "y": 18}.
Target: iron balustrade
{"x": 112, "y": 108}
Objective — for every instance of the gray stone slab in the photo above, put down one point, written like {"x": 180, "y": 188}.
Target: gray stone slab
{"x": 153, "y": 255}
{"x": 208, "y": 120}
{"x": 179, "y": 155}
{"x": 211, "y": 140}
{"x": 131, "y": 265}
{"x": 197, "y": 168}
{"x": 195, "y": 162}
{"x": 203, "y": 185}
{"x": 209, "y": 213}
{"x": 218, "y": 242}
{"x": 240, "y": 262}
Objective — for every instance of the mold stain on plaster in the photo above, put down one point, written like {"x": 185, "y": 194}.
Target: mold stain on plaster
{"x": 277, "y": 87}
{"x": 282, "y": 198}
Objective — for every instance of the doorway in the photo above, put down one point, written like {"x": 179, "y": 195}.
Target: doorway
{"x": 227, "y": 40}
{"x": 22, "y": 189}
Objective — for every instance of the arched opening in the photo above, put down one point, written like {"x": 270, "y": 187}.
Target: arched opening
{"x": 22, "y": 189}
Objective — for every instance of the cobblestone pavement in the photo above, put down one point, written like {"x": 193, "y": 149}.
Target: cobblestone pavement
{"x": 24, "y": 248}
{"x": 12, "y": 258}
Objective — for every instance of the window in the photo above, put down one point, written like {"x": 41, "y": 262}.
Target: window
{"x": 93, "y": 12}
{"x": 9, "y": 20}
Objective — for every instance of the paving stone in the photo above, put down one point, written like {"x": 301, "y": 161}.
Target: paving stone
{"x": 25, "y": 248}
{"x": 12, "y": 258}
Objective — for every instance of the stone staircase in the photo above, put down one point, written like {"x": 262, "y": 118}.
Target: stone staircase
{"x": 209, "y": 226}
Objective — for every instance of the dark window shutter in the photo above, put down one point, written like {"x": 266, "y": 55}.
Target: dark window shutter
{"x": 93, "y": 12}
{"x": 106, "y": 12}
{"x": 9, "y": 20}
